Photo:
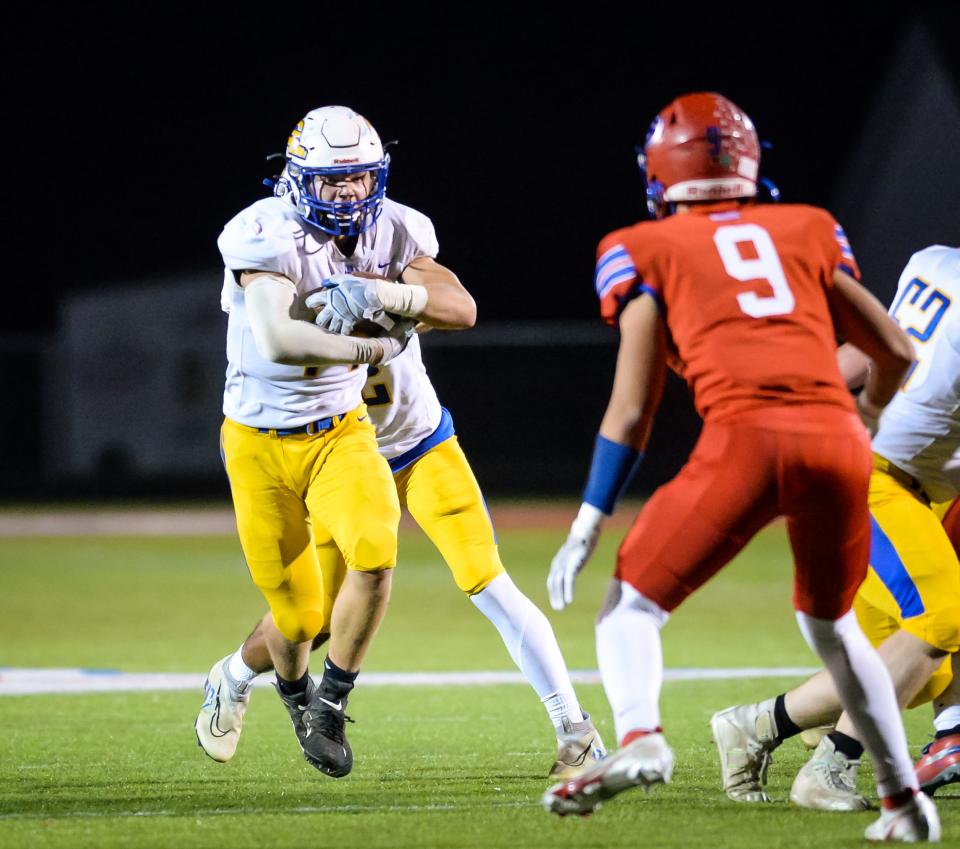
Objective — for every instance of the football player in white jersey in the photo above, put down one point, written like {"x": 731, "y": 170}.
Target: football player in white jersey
{"x": 297, "y": 443}
{"x": 354, "y": 283}
{"x": 909, "y": 603}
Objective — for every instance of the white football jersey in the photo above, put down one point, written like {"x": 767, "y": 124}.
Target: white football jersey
{"x": 920, "y": 429}
{"x": 271, "y": 236}
{"x": 403, "y": 404}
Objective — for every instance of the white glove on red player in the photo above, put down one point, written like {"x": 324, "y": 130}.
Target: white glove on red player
{"x": 573, "y": 555}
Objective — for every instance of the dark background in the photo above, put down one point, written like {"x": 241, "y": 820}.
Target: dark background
{"x": 137, "y": 133}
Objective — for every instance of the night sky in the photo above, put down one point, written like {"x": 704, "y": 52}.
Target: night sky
{"x": 134, "y": 139}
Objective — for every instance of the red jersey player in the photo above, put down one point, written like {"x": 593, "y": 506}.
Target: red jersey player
{"x": 745, "y": 301}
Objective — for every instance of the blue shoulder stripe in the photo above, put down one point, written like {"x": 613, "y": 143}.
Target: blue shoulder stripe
{"x": 613, "y": 267}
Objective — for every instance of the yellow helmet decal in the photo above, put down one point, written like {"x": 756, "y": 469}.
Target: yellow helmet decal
{"x": 294, "y": 148}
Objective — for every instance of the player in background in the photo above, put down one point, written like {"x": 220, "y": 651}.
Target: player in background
{"x": 940, "y": 762}
{"x": 909, "y": 603}
{"x": 430, "y": 472}
{"x": 744, "y": 301}
{"x": 298, "y": 446}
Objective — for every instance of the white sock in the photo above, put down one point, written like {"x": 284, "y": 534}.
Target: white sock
{"x": 239, "y": 671}
{"x": 562, "y": 706}
{"x": 947, "y": 718}
{"x": 532, "y": 645}
{"x": 631, "y": 660}
{"x": 867, "y": 695}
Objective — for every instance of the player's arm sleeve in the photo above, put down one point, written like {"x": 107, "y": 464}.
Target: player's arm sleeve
{"x": 617, "y": 280}
{"x": 270, "y": 301}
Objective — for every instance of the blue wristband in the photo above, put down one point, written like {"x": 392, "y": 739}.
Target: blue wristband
{"x": 611, "y": 470}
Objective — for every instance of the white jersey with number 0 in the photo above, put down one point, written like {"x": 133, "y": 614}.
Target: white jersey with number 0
{"x": 271, "y": 236}
{"x": 920, "y": 428}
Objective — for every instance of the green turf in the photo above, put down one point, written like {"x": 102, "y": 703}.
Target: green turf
{"x": 435, "y": 767}
{"x": 176, "y": 604}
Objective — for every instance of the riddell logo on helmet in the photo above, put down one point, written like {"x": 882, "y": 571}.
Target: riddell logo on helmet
{"x": 346, "y": 161}
{"x": 709, "y": 191}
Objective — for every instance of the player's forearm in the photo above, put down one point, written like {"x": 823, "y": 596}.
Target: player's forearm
{"x": 296, "y": 343}
{"x": 442, "y": 301}
{"x": 627, "y": 426}
{"x": 854, "y": 365}
{"x": 862, "y": 320}
{"x": 885, "y": 378}
{"x": 283, "y": 339}
{"x": 436, "y": 304}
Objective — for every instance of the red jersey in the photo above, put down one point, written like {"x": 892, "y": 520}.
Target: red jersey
{"x": 742, "y": 290}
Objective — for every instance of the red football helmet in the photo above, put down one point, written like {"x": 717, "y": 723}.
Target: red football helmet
{"x": 702, "y": 147}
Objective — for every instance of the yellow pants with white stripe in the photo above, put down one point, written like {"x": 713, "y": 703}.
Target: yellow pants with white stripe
{"x": 294, "y": 493}
{"x": 913, "y": 583}
{"x": 443, "y": 496}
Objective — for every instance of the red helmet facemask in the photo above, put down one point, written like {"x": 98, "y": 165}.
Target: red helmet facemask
{"x": 702, "y": 147}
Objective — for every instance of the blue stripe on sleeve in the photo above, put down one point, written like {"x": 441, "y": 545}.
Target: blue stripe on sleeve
{"x": 890, "y": 569}
{"x": 613, "y": 267}
{"x": 636, "y": 291}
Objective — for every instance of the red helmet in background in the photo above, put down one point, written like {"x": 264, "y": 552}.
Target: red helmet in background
{"x": 701, "y": 147}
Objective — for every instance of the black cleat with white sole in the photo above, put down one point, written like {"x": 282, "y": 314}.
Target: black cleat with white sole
{"x": 318, "y": 721}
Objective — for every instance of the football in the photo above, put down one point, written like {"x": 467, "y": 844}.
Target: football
{"x": 365, "y": 329}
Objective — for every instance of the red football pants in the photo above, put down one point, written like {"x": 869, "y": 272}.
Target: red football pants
{"x": 810, "y": 464}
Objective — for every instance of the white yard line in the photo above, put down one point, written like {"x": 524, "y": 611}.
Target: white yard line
{"x": 305, "y": 809}
{"x": 22, "y": 682}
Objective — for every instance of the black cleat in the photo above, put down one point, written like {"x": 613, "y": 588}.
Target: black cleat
{"x": 318, "y": 721}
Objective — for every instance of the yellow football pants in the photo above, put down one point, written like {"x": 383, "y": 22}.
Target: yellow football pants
{"x": 291, "y": 492}
{"x": 913, "y": 582}
{"x": 443, "y": 496}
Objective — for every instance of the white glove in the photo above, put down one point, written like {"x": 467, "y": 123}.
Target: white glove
{"x": 573, "y": 555}
{"x": 395, "y": 341}
{"x": 344, "y": 300}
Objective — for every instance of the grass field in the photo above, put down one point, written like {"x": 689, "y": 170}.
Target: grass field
{"x": 435, "y": 766}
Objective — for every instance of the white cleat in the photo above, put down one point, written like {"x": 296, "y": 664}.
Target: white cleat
{"x": 220, "y": 720}
{"x": 828, "y": 782}
{"x": 579, "y": 748}
{"x": 745, "y": 736}
{"x": 644, "y": 762}
{"x": 914, "y": 822}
